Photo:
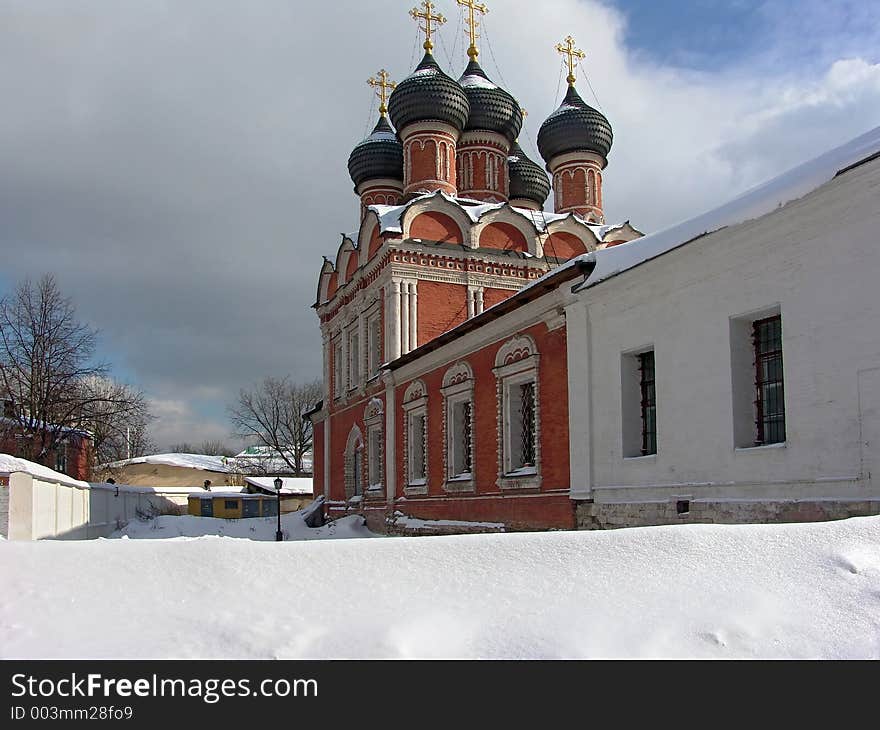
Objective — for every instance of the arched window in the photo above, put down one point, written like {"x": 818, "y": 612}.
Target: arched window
{"x": 374, "y": 421}
{"x": 458, "y": 427}
{"x": 354, "y": 464}
{"x": 519, "y": 452}
{"x": 415, "y": 438}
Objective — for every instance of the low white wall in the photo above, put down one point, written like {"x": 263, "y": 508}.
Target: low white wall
{"x": 4, "y": 506}
{"x": 39, "y": 509}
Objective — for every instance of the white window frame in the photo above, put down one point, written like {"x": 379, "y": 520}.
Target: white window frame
{"x": 516, "y": 363}
{"x": 374, "y": 419}
{"x": 511, "y": 449}
{"x": 374, "y": 345}
{"x": 354, "y": 358}
{"x": 458, "y": 387}
{"x": 339, "y": 369}
{"x": 415, "y": 405}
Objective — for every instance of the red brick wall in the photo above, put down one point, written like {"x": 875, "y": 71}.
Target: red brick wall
{"x": 375, "y": 242}
{"x": 441, "y": 307}
{"x": 434, "y": 226}
{"x": 318, "y": 459}
{"x": 494, "y": 296}
{"x": 488, "y": 504}
{"x": 79, "y": 456}
{"x": 564, "y": 246}
{"x": 352, "y": 266}
{"x": 332, "y": 285}
{"x": 503, "y": 236}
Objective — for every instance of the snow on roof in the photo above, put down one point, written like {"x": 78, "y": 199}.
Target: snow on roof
{"x": 291, "y": 485}
{"x": 755, "y": 203}
{"x": 12, "y": 464}
{"x": 187, "y": 461}
{"x": 475, "y": 81}
{"x": 391, "y": 216}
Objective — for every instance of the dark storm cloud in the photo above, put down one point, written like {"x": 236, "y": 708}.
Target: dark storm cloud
{"x": 181, "y": 166}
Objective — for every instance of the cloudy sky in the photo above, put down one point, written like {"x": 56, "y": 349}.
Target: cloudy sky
{"x": 180, "y": 165}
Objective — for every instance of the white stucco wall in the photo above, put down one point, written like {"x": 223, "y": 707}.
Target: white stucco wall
{"x": 816, "y": 260}
{"x": 41, "y": 509}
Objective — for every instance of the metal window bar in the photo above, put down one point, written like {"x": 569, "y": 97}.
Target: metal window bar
{"x": 648, "y": 389}
{"x": 769, "y": 385}
{"x": 527, "y": 422}
{"x": 466, "y": 409}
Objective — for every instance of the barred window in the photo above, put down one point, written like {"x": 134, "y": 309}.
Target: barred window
{"x": 769, "y": 386}
{"x": 418, "y": 445}
{"x": 354, "y": 370}
{"x": 374, "y": 333}
{"x": 522, "y": 425}
{"x": 648, "y": 390}
{"x": 462, "y": 424}
{"x": 374, "y": 440}
{"x": 338, "y": 371}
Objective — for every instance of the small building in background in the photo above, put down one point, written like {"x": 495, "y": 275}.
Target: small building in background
{"x": 296, "y": 492}
{"x": 172, "y": 470}
{"x": 232, "y": 505}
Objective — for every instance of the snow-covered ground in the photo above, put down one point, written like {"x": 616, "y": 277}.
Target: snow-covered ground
{"x": 293, "y": 527}
{"x": 686, "y": 591}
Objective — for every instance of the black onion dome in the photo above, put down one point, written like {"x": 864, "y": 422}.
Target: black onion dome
{"x": 428, "y": 94}
{"x": 527, "y": 178}
{"x": 574, "y": 127}
{"x": 492, "y": 108}
{"x": 379, "y": 156}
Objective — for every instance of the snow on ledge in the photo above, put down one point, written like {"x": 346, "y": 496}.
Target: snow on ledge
{"x": 12, "y": 464}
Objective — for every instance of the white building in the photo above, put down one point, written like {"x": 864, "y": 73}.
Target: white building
{"x": 796, "y": 261}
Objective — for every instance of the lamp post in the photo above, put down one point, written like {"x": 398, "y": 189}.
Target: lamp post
{"x": 278, "y": 484}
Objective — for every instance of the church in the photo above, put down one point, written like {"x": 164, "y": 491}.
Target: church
{"x": 491, "y": 365}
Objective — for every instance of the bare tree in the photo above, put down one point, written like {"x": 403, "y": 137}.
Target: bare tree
{"x": 53, "y": 386}
{"x": 182, "y": 447}
{"x": 214, "y": 448}
{"x": 118, "y": 433}
{"x": 271, "y": 412}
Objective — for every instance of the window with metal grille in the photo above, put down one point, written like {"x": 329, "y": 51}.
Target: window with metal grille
{"x": 526, "y": 415}
{"x": 769, "y": 386}
{"x": 338, "y": 371}
{"x": 519, "y": 426}
{"x": 462, "y": 414}
{"x": 230, "y": 504}
{"x": 648, "y": 403}
{"x": 374, "y": 331}
{"x": 418, "y": 448}
{"x": 374, "y": 439}
{"x": 354, "y": 361}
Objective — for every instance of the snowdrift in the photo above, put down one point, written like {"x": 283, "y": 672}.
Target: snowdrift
{"x": 689, "y": 591}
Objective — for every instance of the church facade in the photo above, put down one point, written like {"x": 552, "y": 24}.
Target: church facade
{"x": 490, "y": 365}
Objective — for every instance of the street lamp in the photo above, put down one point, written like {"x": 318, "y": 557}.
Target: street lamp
{"x": 278, "y": 484}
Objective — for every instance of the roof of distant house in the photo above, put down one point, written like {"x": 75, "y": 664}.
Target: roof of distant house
{"x": 188, "y": 461}
{"x": 290, "y": 485}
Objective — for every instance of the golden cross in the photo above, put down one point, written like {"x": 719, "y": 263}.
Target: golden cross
{"x": 473, "y": 22}
{"x": 383, "y": 84}
{"x": 569, "y": 50}
{"x": 429, "y": 18}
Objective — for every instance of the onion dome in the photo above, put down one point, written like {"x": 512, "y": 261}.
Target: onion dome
{"x": 527, "y": 179}
{"x": 492, "y": 108}
{"x": 379, "y": 156}
{"x": 428, "y": 94}
{"x": 574, "y": 127}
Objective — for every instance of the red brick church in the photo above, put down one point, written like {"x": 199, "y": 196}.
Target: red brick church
{"x": 445, "y": 365}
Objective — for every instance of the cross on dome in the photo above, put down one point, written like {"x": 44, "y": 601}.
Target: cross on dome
{"x": 572, "y": 53}
{"x": 382, "y": 85}
{"x": 473, "y": 23}
{"x": 430, "y": 18}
